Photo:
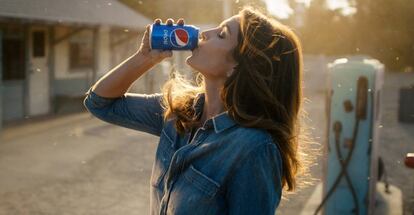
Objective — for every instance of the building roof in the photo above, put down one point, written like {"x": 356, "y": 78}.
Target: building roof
{"x": 83, "y": 12}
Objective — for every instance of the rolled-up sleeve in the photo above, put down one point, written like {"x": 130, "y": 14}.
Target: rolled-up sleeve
{"x": 142, "y": 112}
{"x": 255, "y": 187}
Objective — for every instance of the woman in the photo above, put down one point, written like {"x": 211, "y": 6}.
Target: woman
{"x": 228, "y": 145}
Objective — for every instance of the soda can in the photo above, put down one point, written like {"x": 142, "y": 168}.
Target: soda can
{"x": 173, "y": 37}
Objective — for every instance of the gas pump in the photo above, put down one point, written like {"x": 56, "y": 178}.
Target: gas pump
{"x": 353, "y": 113}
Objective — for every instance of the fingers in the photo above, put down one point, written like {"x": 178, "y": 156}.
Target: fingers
{"x": 157, "y": 21}
{"x": 169, "y": 21}
{"x": 166, "y": 54}
{"x": 180, "y": 21}
{"x": 160, "y": 55}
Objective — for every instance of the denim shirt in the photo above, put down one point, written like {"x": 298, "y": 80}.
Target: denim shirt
{"x": 224, "y": 169}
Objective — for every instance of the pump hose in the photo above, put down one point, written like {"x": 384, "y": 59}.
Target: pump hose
{"x": 344, "y": 165}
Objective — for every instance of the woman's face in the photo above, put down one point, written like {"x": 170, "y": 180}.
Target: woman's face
{"x": 213, "y": 56}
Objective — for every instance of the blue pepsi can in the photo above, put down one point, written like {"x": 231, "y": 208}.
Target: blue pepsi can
{"x": 173, "y": 37}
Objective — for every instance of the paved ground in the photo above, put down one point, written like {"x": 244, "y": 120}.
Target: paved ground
{"x": 397, "y": 139}
{"x": 76, "y": 164}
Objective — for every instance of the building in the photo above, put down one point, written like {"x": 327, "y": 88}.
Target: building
{"x": 53, "y": 50}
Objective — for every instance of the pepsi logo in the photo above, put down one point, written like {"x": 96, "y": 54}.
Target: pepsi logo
{"x": 179, "y": 37}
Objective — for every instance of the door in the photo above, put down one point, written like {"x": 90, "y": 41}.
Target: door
{"x": 38, "y": 77}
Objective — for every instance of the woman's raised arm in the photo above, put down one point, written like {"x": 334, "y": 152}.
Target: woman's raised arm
{"x": 117, "y": 81}
{"x": 109, "y": 101}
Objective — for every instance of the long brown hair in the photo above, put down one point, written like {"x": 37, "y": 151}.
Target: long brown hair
{"x": 264, "y": 91}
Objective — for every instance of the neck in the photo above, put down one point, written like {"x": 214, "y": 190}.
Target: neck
{"x": 212, "y": 103}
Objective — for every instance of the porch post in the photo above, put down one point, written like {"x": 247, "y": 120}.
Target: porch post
{"x": 1, "y": 80}
{"x": 51, "y": 39}
{"x": 96, "y": 47}
{"x": 28, "y": 68}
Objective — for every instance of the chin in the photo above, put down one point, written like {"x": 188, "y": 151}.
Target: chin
{"x": 190, "y": 61}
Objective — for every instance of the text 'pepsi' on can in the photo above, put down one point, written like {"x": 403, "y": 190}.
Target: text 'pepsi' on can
{"x": 173, "y": 37}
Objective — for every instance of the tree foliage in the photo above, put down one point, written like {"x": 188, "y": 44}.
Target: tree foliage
{"x": 382, "y": 29}
{"x": 387, "y": 30}
{"x": 193, "y": 11}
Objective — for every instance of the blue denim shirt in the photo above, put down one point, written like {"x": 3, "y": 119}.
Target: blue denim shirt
{"x": 224, "y": 169}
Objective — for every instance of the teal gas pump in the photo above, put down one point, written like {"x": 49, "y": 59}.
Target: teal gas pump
{"x": 353, "y": 113}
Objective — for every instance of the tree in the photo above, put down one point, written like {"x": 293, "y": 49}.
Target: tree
{"x": 382, "y": 29}
{"x": 193, "y": 11}
{"x": 386, "y": 30}
{"x": 325, "y": 31}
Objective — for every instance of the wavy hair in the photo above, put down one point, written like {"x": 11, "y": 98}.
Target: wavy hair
{"x": 264, "y": 91}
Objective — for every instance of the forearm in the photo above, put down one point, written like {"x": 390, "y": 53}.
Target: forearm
{"x": 117, "y": 81}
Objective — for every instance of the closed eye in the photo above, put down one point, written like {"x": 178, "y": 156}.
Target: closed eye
{"x": 221, "y": 32}
{"x": 220, "y": 35}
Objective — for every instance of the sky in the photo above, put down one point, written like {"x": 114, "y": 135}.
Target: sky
{"x": 281, "y": 9}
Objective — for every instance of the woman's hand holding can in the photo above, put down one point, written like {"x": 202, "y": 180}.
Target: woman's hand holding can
{"x": 155, "y": 55}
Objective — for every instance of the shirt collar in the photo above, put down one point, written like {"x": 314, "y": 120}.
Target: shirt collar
{"x": 220, "y": 122}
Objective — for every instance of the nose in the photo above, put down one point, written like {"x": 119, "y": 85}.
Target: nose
{"x": 205, "y": 35}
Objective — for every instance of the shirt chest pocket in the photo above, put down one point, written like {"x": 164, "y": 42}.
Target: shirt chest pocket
{"x": 195, "y": 193}
{"x": 200, "y": 181}
{"x": 162, "y": 159}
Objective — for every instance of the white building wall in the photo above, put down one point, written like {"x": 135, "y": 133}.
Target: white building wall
{"x": 62, "y": 57}
{"x": 108, "y": 58}
{"x": 75, "y": 82}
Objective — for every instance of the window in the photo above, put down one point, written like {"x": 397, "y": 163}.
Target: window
{"x": 81, "y": 51}
{"x": 38, "y": 43}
